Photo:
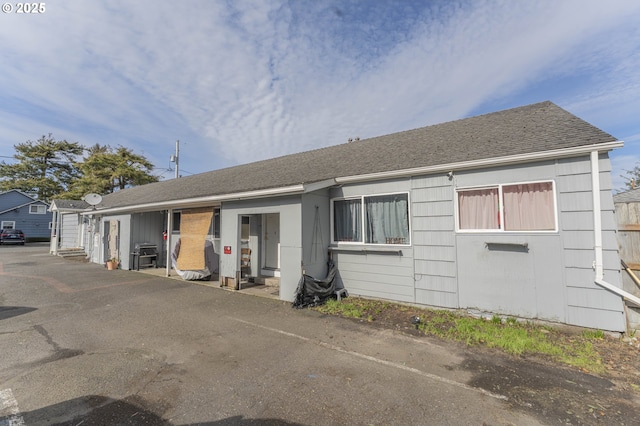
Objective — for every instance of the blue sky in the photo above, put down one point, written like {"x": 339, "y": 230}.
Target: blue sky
{"x": 240, "y": 81}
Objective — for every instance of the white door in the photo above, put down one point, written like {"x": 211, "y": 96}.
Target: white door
{"x": 69, "y": 231}
{"x": 272, "y": 241}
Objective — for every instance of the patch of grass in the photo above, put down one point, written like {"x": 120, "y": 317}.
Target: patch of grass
{"x": 581, "y": 354}
{"x": 345, "y": 309}
{"x": 509, "y": 336}
{"x": 511, "y": 321}
{"x": 593, "y": 334}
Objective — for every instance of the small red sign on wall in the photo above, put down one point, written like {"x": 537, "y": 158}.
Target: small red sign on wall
{"x": 227, "y": 249}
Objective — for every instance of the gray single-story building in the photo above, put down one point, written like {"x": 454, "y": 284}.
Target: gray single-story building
{"x": 493, "y": 213}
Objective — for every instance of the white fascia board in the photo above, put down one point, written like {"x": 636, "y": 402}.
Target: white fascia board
{"x": 315, "y": 186}
{"x": 202, "y": 201}
{"x": 54, "y": 208}
{"x": 489, "y": 162}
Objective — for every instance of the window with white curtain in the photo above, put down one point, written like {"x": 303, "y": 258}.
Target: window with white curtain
{"x": 379, "y": 219}
{"x": 347, "y": 220}
{"x": 514, "y": 207}
{"x": 479, "y": 209}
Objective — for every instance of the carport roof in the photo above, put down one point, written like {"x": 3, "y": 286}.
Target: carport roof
{"x": 519, "y": 132}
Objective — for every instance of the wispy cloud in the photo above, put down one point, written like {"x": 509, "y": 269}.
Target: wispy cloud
{"x": 242, "y": 81}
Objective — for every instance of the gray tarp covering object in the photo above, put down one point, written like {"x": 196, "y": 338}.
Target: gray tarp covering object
{"x": 314, "y": 292}
{"x": 210, "y": 258}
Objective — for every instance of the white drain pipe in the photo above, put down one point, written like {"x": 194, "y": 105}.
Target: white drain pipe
{"x": 597, "y": 230}
{"x": 169, "y": 231}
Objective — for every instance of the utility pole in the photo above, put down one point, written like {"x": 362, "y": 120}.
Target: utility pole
{"x": 176, "y": 158}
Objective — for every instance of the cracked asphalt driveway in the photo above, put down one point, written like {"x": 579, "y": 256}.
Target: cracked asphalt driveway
{"x": 83, "y": 345}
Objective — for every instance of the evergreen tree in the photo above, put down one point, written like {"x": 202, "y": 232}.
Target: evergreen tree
{"x": 105, "y": 170}
{"x": 132, "y": 169}
{"x": 45, "y": 167}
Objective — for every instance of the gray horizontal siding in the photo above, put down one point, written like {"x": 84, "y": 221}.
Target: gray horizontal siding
{"x": 573, "y": 166}
{"x": 435, "y": 268}
{"x": 593, "y": 298}
{"x": 583, "y": 221}
{"x": 367, "y": 273}
{"x": 435, "y": 223}
{"x": 386, "y": 265}
{"x": 433, "y": 238}
{"x": 432, "y": 208}
{"x": 436, "y": 283}
{"x": 371, "y": 284}
{"x": 588, "y": 305}
{"x": 434, "y": 241}
{"x": 421, "y": 195}
{"x": 576, "y": 221}
{"x": 437, "y": 298}
{"x": 595, "y": 318}
{"x": 384, "y": 283}
{"x": 435, "y": 253}
{"x": 576, "y": 202}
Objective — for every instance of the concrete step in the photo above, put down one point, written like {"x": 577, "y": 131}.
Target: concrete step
{"x": 72, "y": 252}
{"x": 268, "y": 281}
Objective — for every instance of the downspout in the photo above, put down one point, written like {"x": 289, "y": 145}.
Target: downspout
{"x": 169, "y": 232}
{"x": 597, "y": 230}
{"x": 53, "y": 246}
{"x": 58, "y": 232}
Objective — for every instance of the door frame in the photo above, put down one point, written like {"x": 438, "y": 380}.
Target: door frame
{"x": 265, "y": 269}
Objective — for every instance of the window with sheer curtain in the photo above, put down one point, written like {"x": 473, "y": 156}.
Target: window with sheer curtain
{"x": 347, "y": 220}
{"x": 380, "y": 219}
{"x": 479, "y": 209}
{"x": 529, "y": 207}
{"x": 525, "y": 207}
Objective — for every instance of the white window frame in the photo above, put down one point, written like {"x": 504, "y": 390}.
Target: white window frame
{"x": 38, "y": 208}
{"x": 5, "y": 224}
{"x": 501, "y": 208}
{"x": 217, "y": 223}
{"x": 362, "y": 219}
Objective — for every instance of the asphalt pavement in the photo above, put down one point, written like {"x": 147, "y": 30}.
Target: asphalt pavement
{"x": 84, "y": 345}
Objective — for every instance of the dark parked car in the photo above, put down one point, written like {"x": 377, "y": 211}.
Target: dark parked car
{"x": 12, "y": 236}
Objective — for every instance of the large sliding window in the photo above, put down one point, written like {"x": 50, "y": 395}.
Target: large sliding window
{"x": 514, "y": 207}
{"x": 379, "y": 219}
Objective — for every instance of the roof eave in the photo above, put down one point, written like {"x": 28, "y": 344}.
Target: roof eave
{"x": 202, "y": 201}
{"x": 488, "y": 162}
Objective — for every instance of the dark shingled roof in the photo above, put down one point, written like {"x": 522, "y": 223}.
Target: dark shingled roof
{"x": 529, "y": 129}
{"x": 71, "y": 204}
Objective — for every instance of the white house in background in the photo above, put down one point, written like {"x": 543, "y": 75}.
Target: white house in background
{"x": 509, "y": 213}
